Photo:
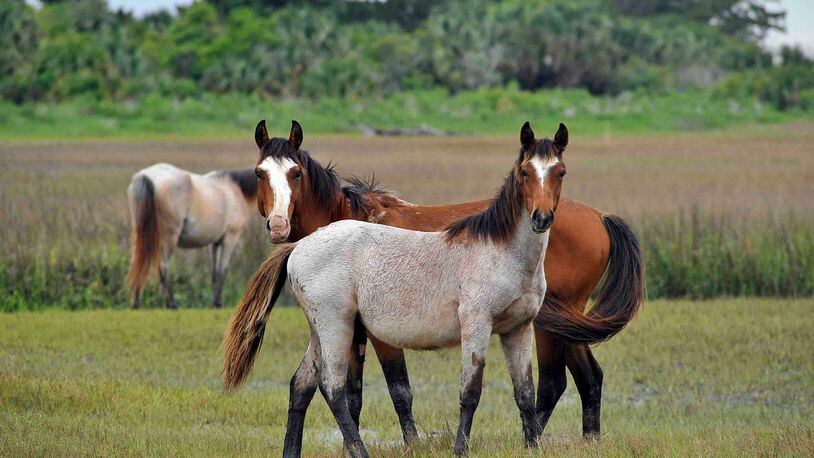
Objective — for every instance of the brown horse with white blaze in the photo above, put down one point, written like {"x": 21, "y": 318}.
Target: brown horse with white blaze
{"x": 171, "y": 207}
{"x": 584, "y": 245}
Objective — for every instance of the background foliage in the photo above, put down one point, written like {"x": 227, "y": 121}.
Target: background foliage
{"x": 351, "y": 49}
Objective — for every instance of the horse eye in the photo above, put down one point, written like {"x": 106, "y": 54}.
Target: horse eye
{"x": 524, "y": 173}
{"x": 562, "y": 174}
{"x": 297, "y": 175}
{"x": 258, "y": 173}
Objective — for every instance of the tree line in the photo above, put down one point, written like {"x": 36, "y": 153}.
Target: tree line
{"x": 276, "y": 48}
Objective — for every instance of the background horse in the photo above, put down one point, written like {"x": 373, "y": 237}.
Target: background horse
{"x": 419, "y": 290}
{"x": 584, "y": 244}
{"x": 171, "y": 207}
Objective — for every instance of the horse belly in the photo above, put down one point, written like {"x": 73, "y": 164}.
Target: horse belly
{"x": 205, "y": 222}
{"x": 417, "y": 326}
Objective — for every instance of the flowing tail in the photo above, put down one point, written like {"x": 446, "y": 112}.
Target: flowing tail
{"x": 617, "y": 302}
{"x": 245, "y": 332}
{"x": 145, "y": 237}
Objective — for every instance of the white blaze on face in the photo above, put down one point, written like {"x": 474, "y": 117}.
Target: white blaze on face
{"x": 543, "y": 166}
{"x": 277, "y": 173}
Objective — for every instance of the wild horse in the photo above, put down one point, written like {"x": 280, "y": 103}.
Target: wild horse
{"x": 418, "y": 290}
{"x": 171, "y": 207}
{"x": 297, "y": 196}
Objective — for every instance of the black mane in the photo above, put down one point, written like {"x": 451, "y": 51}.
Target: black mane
{"x": 245, "y": 179}
{"x": 499, "y": 222}
{"x": 357, "y": 188}
{"x": 324, "y": 181}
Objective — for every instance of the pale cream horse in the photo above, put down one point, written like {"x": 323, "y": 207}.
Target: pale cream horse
{"x": 416, "y": 290}
{"x": 171, "y": 207}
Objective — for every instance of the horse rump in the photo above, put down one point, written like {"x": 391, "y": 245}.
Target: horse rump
{"x": 618, "y": 300}
{"x": 146, "y": 237}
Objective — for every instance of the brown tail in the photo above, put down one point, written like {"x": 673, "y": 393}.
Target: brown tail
{"x": 145, "y": 237}
{"x": 617, "y": 302}
{"x": 245, "y": 332}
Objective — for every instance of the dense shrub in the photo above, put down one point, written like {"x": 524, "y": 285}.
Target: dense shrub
{"x": 348, "y": 49}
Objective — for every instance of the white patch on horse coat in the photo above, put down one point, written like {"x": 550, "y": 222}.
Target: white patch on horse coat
{"x": 277, "y": 172}
{"x": 543, "y": 167}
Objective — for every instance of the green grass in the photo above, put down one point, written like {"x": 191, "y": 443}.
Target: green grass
{"x": 725, "y": 377}
{"x": 485, "y": 111}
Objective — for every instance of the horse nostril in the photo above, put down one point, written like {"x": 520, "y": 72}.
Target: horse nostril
{"x": 268, "y": 224}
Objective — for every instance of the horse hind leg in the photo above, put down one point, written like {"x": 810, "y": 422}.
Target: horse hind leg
{"x": 302, "y": 388}
{"x": 169, "y": 244}
{"x": 551, "y": 362}
{"x": 588, "y": 379}
{"x": 356, "y": 366}
{"x": 335, "y": 339}
{"x": 228, "y": 245}
{"x": 517, "y": 349}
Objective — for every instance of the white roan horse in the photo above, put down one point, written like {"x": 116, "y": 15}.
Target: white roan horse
{"x": 417, "y": 290}
{"x": 171, "y": 207}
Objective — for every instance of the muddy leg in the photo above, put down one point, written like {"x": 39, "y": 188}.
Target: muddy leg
{"x": 551, "y": 360}
{"x": 398, "y": 383}
{"x": 474, "y": 343}
{"x": 334, "y": 377}
{"x": 517, "y": 349}
{"x": 588, "y": 378}
{"x": 303, "y": 386}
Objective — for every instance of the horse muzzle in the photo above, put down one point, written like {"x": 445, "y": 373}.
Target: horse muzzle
{"x": 541, "y": 222}
{"x": 279, "y": 228}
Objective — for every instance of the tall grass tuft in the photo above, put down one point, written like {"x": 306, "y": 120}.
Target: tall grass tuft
{"x": 701, "y": 255}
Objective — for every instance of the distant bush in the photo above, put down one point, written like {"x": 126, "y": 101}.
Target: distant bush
{"x": 72, "y": 48}
{"x": 784, "y": 86}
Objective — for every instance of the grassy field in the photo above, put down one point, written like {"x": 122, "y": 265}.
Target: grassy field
{"x": 724, "y": 377}
{"x": 483, "y": 112}
{"x": 718, "y": 213}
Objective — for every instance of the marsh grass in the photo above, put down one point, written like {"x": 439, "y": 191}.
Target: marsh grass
{"x": 723, "y": 377}
{"x": 718, "y": 214}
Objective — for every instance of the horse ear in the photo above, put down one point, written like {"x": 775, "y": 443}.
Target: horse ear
{"x": 261, "y": 135}
{"x": 561, "y": 138}
{"x": 295, "y": 137}
{"x": 526, "y": 136}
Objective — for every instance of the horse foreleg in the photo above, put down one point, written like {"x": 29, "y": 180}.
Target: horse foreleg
{"x": 517, "y": 349}
{"x": 398, "y": 384}
{"x": 588, "y": 379}
{"x": 551, "y": 362}
{"x": 474, "y": 343}
{"x": 302, "y": 388}
{"x": 221, "y": 265}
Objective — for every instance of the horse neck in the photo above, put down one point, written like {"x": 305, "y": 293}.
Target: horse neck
{"x": 312, "y": 216}
{"x": 527, "y": 246}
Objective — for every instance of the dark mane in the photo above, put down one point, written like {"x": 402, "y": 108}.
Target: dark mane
{"x": 245, "y": 179}
{"x": 357, "y": 188}
{"x": 324, "y": 181}
{"x": 499, "y": 222}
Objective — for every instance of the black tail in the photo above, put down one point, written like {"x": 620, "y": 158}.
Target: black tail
{"x": 619, "y": 299}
